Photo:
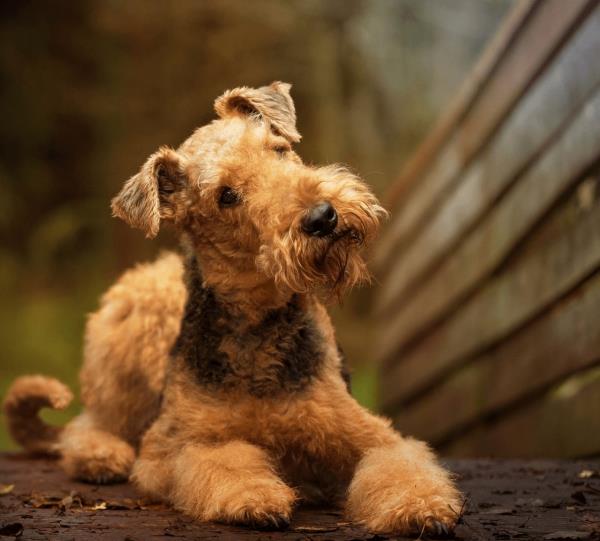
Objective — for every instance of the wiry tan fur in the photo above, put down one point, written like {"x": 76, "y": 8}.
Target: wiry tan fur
{"x": 247, "y": 448}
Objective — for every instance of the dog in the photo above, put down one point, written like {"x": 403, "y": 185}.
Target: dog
{"x": 212, "y": 380}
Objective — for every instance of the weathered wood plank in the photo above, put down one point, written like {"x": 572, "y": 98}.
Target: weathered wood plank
{"x": 463, "y": 100}
{"x": 552, "y": 25}
{"x": 524, "y": 289}
{"x": 560, "y": 343}
{"x": 565, "y": 85}
{"x": 516, "y": 499}
{"x": 527, "y": 287}
{"x": 534, "y": 45}
{"x": 565, "y": 422}
{"x": 507, "y": 223}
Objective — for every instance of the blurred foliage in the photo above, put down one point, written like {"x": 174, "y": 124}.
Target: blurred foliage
{"x": 89, "y": 88}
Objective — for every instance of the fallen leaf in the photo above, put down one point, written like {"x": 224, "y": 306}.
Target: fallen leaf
{"x": 43, "y": 501}
{"x": 67, "y": 502}
{"x": 100, "y": 506}
{"x": 6, "y": 489}
{"x": 498, "y": 511}
{"x": 125, "y": 504}
{"x": 587, "y": 474}
{"x": 315, "y": 529}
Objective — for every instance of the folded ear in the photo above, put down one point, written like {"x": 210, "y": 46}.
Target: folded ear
{"x": 151, "y": 194}
{"x": 272, "y": 103}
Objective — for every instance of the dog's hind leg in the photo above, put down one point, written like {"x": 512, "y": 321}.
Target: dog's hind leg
{"x": 91, "y": 454}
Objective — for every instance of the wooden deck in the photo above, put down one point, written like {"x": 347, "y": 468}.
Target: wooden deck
{"x": 505, "y": 500}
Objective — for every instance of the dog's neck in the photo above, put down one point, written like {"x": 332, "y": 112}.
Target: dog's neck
{"x": 261, "y": 351}
{"x": 235, "y": 281}
{"x": 241, "y": 291}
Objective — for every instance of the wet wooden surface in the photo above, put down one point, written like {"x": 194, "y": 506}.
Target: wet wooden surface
{"x": 505, "y": 500}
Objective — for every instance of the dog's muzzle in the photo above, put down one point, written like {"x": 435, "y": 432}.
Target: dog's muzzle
{"x": 321, "y": 220}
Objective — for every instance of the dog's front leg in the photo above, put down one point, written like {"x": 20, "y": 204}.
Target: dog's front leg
{"x": 234, "y": 482}
{"x": 398, "y": 486}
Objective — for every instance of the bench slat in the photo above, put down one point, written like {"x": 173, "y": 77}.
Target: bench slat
{"x": 550, "y": 23}
{"x": 563, "y": 423}
{"x": 562, "y": 342}
{"x": 568, "y": 82}
{"x": 510, "y": 300}
{"x": 506, "y": 224}
{"x": 459, "y": 106}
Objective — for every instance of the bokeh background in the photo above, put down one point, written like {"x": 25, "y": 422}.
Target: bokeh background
{"x": 89, "y": 89}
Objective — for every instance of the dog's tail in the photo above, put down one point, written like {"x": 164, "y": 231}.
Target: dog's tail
{"x": 25, "y": 397}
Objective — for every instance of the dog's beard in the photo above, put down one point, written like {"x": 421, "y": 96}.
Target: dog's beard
{"x": 329, "y": 266}
{"x": 339, "y": 261}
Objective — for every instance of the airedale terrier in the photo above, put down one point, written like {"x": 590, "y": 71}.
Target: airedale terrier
{"x": 213, "y": 380}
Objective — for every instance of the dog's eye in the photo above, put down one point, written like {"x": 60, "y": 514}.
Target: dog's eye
{"x": 281, "y": 150}
{"x": 228, "y": 197}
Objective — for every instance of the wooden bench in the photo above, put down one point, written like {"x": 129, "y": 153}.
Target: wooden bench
{"x": 490, "y": 269}
{"x": 505, "y": 500}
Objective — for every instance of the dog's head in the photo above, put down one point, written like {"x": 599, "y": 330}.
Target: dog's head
{"x": 252, "y": 210}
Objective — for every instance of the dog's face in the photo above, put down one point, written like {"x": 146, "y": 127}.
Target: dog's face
{"x": 252, "y": 210}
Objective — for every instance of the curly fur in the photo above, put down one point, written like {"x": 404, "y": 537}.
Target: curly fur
{"x": 217, "y": 385}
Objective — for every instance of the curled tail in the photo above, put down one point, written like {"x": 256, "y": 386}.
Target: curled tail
{"x": 25, "y": 397}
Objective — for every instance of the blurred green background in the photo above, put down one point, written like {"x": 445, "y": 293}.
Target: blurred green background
{"x": 88, "y": 89}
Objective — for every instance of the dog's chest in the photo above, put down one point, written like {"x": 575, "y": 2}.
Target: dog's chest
{"x": 282, "y": 353}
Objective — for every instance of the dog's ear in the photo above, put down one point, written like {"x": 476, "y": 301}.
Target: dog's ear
{"x": 150, "y": 196}
{"x": 272, "y": 103}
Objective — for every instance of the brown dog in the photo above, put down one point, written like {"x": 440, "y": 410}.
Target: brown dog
{"x": 220, "y": 369}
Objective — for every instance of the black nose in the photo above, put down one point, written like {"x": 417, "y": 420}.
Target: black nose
{"x": 321, "y": 220}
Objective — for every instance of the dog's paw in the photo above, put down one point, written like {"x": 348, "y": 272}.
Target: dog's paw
{"x": 402, "y": 490}
{"x": 102, "y": 464}
{"x": 261, "y": 508}
{"x": 258, "y": 504}
{"x": 432, "y": 517}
